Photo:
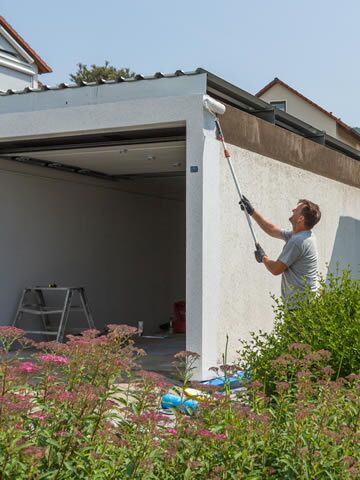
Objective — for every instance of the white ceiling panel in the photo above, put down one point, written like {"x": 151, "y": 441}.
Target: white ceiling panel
{"x": 121, "y": 160}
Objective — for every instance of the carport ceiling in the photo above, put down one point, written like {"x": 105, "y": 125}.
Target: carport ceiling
{"x": 156, "y": 151}
{"x": 116, "y": 161}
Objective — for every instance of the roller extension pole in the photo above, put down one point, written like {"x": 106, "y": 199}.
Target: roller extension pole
{"x": 214, "y": 108}
{"x": 228, "y": 158}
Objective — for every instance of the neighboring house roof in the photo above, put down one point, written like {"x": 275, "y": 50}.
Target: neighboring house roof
{"x": 42, "y": 66}
{"x": 277, "y": 81}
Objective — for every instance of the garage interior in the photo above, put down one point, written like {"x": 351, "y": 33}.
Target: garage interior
{"x": 105, "y": 212}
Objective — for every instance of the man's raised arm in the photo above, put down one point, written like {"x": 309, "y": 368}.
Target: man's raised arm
{"x": 267, "y": 226}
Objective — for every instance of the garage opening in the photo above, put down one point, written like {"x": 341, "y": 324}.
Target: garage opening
{"x": 109, "y": 217}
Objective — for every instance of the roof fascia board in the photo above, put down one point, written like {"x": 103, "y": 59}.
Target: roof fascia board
{"x": 105, "y": 117}
{"x": 295, "y": 122}
{"x": 15, "y": 44}
{"x": 226, "y": 88}
{"x": 336, "y": 144}
{"x": 76, "y": 96}
{"x": 235, "y": 102}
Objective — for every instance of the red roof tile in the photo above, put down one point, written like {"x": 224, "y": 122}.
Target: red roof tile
{"x": 42, "y": 66}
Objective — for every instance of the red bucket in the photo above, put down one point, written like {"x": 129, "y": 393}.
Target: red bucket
{"x": 180, "y": 317}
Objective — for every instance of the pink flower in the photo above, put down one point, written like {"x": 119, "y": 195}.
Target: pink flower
{"x": 28, "y": 367}
{"x": 218, "y": 396}
{"x": 95, "y": 455}
{"x": 149, "y": 417}
{"x": 65, "y": 396}
{"x": 349, "y": 461}
{"x": 34, "y": 452}
{"x": 172, "y": 431}
{"x": 209, "y": 434}
{"x": 187, "y": 355}
{"x": 39, "y": 416}
{"x": 300, "y": 347}
{"x": 282, "y": 387}
{"x": 204, "y": 433}
{"x": 109, "y": 403}
{"x": 52, "y": 358}
{"x": 11, "y": 333}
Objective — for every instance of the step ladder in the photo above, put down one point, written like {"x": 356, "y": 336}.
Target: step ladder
{"x": 40, "y": 309}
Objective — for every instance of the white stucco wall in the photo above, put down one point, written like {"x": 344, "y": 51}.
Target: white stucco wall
{"x": 244, "y": 302}
{"x": 13, "y": 79}
{"x": 127, "y": 250}
{"x": 301, "y": 109}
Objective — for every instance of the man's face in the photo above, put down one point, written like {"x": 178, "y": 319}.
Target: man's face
{"x": 297, "y": 217}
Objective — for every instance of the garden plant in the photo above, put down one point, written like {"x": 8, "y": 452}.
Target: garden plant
{"x": 326, "y": 320}
{"x": 86, "y": 410}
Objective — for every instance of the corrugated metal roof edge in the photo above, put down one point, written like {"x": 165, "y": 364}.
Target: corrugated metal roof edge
{"x": 62, "y": 86}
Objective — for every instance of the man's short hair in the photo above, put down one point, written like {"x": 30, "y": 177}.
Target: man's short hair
{"x": 311, "y": 213}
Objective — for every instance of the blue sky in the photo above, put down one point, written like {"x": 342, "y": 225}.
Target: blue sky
{"x": 313, "y": 45}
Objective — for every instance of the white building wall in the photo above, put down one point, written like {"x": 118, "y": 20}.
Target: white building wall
{"x": 15, "y": 80}
{"x": 274, "y": 188}
{"x": 301, "y": 109}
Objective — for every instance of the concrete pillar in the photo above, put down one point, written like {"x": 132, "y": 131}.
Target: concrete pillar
{"x": 202, "y": 241}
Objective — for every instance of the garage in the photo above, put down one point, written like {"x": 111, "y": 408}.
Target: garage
{"x": 101, "y": 188}
{"x": 121, "y": 187}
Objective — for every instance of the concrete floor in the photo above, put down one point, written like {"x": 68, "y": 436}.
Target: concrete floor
{"x": 160, "y": 353}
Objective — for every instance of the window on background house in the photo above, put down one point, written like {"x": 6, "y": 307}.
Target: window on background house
{"x": 280, "y": 105}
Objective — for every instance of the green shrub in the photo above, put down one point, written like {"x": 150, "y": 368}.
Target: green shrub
{"x": 327, "y": 320}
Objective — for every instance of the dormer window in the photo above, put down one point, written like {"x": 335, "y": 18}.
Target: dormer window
{"x": 280, "y": 105}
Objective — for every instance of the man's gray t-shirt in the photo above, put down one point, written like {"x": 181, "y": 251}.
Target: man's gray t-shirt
{"x": 300, "y": 255}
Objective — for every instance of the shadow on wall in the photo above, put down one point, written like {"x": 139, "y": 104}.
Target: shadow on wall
{"x": 346, "y": 249}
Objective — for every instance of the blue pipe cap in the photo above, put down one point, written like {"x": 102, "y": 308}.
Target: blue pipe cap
{"x": 174, "y": 401}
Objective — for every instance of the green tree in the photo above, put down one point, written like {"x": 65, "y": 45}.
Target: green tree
{"x": 95, "y": 73}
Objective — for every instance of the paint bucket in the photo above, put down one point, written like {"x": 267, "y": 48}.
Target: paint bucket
{"x": 180, "y": 317}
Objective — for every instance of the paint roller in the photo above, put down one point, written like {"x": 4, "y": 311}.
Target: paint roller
{"x": 213, "y": 106}
{"x": 216, "y": 108}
